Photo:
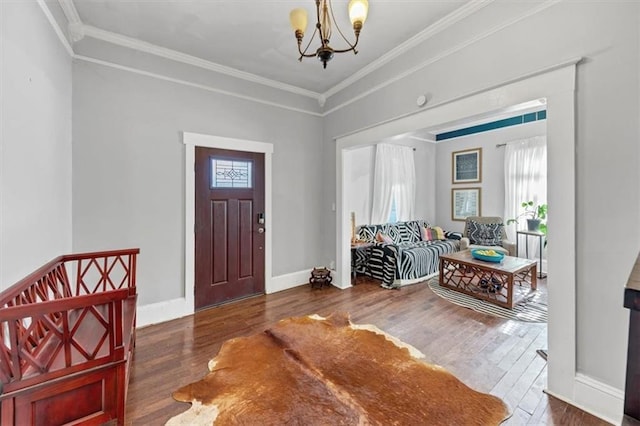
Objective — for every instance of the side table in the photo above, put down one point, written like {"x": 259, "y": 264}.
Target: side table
{"x": 360, "y": 253}
{"x": 528, "y": 234}
{"x": 320, "y": 276}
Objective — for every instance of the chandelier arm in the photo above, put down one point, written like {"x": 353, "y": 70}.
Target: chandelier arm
{"x": 351, "y": 46}
{"x": 303, "y": 53}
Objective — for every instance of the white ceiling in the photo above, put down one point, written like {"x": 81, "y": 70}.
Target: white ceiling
{"x": 254, "y": 36}
{"x": 429, "y": 134}
{"x": 252, "y": 39}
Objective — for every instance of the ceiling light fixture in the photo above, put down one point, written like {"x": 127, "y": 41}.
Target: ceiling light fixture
{"x": 325, "y": 20}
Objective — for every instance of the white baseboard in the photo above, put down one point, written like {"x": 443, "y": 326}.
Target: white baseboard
{"x": 597, "y": 398}
{"x": 162, "y": 311}
{"x": 176, "y": 308}
{"x": 287, "y": 281}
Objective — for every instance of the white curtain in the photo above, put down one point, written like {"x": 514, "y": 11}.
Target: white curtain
{"x": 394, "y": 179}
{"x": 525, "y": 178}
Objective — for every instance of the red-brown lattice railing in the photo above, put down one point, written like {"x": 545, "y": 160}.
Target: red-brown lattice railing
{"x": 65, "y": 317}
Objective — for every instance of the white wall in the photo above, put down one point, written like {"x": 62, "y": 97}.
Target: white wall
{"x": 426, "y": 181}
{"x": 129, "y": 171}
{"x": 607, "y": 134}
{"x": 35, "y": 142}
{"x": 358, "y": 188}
{"x": 492, "y": 185}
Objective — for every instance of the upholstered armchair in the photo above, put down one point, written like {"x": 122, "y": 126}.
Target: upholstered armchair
{"x": 486, "y": 232}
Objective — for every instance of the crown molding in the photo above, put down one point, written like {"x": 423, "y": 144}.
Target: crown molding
{"x": 80, "y": 30}
{"x": 74, "y": 23}
{"x": 69, "y": 14}
{"x": 444, "y": 54}
{"x": 70, "y": 11}
{"x": 143, "y": 46}
{"x": 441, "y": 25}
{"x": 540, "y": 71}
{"x": 56, "y": 27}
{"x": 194, "y": 85}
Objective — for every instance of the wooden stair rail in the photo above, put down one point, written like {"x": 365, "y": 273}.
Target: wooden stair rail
{"x": 632, "y": 387}
{"x": 67, "y": 332}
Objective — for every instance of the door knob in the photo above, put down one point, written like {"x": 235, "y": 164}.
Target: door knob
{"x": 260, "y": 230}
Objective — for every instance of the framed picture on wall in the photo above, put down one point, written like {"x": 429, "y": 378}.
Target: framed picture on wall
{"x": 467, "y": 166}
{"x": 465, "y": 202}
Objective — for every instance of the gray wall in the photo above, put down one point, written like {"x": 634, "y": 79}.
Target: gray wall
{"x": 35, "y": 142}
{"x": 128, "y": 181}
{"x": 128, "y": 159}
{"x": 492, "y": 185}
{"x": 607, "y": 154}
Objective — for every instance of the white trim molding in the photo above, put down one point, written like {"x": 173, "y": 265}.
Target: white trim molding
{"x": 191, "y": 141}
{"x": 557, "y": 85}
{"x": 78, "y": 30}
{"x": 176, "y": 308}
{"x": 434, "y": 59}
{"x": 194, "y": 85}
{"x": 287, "y": 281}
{"x": 56, "y": 27}
{"x": 568, "y": 63}
{"x": 439, "y": 26}
{"x": 162, "y": 311}
{"x": 599, "y": 399}
{"x": 163, "y": 52}
{"x": 595, "y": 397}
{"x": 70, "y": 11}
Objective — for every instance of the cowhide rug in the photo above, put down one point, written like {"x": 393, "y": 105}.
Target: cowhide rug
{"x": 328, "y": 371}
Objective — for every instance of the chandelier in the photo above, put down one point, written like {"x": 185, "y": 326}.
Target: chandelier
{"x": 325, "y": 20}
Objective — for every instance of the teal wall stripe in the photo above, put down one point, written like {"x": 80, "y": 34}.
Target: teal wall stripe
{"x": 511, "y": 121}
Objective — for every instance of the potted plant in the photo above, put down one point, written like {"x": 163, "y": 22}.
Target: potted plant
{"x": 535, "y": 214}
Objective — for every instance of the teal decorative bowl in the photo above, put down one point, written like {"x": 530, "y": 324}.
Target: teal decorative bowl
{"x": 497, "y": 258}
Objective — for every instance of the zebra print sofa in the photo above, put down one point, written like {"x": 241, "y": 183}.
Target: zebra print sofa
{"x": 408, "y": 259}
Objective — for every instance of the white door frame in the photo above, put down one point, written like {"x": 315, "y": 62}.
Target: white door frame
{"x": 557, "y": 85}
{"x": 191, "y": 141}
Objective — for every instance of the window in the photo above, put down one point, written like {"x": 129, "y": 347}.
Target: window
{"x": 525, "y": 169}
{"x": 394, "y": 184}
{"x": 393, "y": 216}
{"x": 231, "y": 173}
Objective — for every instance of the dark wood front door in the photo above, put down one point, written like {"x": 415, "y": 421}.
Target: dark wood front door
{"x": 229, "y": 234}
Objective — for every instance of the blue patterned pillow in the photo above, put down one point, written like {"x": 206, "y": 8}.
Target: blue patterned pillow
{"x": 485, "y": 234}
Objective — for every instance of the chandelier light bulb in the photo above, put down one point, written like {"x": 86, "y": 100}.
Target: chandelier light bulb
{"x": 358, "y": 10}
{"x": 298, "y": 19}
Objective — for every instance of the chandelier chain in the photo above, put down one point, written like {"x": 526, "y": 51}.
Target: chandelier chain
{"x": 351, "y": 46}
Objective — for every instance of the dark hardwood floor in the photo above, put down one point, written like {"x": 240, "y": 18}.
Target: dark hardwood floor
{"x": 487, "y": 353}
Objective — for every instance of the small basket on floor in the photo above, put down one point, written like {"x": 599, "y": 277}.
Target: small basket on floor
{"x": 319, "y": 277}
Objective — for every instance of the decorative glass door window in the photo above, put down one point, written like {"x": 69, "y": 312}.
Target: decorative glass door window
{"x": 231, "y": 173}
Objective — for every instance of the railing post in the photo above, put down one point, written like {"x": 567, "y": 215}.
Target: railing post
{"x": 632, "y": 302}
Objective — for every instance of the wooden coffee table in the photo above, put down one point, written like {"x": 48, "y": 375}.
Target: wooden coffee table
{"x": 493, "y": 282}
